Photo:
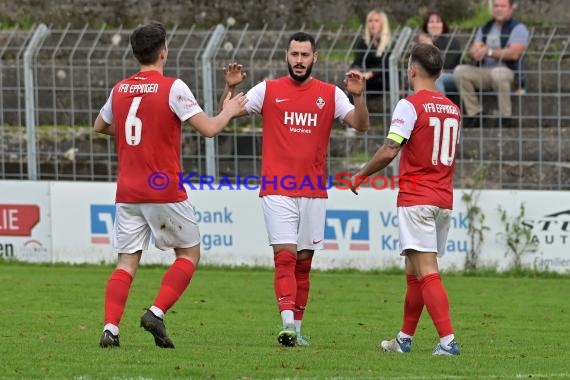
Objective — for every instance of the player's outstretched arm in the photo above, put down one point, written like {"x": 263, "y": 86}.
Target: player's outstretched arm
{"x": 382, "y": 158}
{"x": 358, "y": 118}
{"x": 101, "y": 126}
{"x": 211, "y": 126}
{"x": 233, "y": 75}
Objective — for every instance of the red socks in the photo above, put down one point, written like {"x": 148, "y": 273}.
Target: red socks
{"x": 437, "y": 304}
{"x": 292, "y": 282}
{"x": 174, "y": 282}
{"x": 302, "y": 271}
{"x": 413, "y": 305}
{"x": 116, "y": 295}
{"x": 284, "y": 281}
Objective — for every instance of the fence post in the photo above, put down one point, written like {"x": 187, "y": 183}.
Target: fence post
{"x": 209, "y": 91}
{"x": 394, "y": 71}
{"x": 30, "y": 99}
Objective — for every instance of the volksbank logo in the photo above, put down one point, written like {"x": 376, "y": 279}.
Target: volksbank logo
{"x": 102, "y": 219}
{"x": 347, "y": 230}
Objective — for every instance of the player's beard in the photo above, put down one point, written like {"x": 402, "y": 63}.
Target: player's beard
{"x": 300, "y": 78}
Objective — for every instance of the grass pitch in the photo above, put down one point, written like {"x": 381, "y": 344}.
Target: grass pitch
{"x": 225, "y": 326}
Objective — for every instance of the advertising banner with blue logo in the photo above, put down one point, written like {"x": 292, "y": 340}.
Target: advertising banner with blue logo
{"x": 73, "y": 222}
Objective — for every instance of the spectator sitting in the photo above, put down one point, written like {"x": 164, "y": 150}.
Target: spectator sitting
{"x": 436, "y": 32}
{"x": 498, "y": 48}
{"x": 371, "y": 52}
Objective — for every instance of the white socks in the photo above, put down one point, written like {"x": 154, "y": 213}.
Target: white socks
{"x": 112, "y": 328}
{"x": 298, "y": 323}
{"x": 156, "y": 311}
{"x": 446, "y": 340}
{"x": 287, "y": 317}
{"x": 443, "y": 340}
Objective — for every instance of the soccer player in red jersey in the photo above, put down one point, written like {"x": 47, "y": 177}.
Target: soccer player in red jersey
{"x": 145, "y": 113}
{"x": 298, "y": 112}
{"x": 425, "y": 128}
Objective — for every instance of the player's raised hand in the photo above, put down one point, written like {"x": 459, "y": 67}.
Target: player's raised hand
{"x": 354, "y": 82}
{"x": 234, "y": 74}
{"x": 236, "y": 105}
{"x": 357, "y": 180}
{"x": 354, "y": 188}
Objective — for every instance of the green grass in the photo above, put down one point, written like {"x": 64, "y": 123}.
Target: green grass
{"x": 25, "y": 23}
{"x": 225, "y": 327}
{"x": 477, "y": 20}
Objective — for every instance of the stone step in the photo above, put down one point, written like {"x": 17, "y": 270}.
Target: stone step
{"x": 507, "y": 144}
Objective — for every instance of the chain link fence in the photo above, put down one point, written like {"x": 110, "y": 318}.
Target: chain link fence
{"x": 54, "y": 81}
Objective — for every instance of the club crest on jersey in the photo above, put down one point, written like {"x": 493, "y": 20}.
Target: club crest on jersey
{"x": 320, "y": 103}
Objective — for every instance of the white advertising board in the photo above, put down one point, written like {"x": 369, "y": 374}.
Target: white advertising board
{"x": 25, "y": 221}
{"x": 370, "y": 219}
{"x": 230, "y": 225}
{"x": 83, "y": 224}
{"x": 76, "y": 218}
{"x": 547, "y": 215}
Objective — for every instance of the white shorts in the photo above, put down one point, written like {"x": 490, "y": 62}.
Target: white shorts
{"x": 172, "y": 225}
{"x": 295, "y": 220}
{"x": 424, "y": 228}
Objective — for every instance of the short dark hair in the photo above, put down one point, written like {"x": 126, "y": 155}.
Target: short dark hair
{"x": 147, "y": 41}
{"x": 438, "y": 14}
{"x": 302, "y": 37}
{"x": 428, "y": 57}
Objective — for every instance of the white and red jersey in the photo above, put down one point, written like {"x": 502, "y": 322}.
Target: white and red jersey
{"x": 297, "y": 123}
{"x": 430, "y": 123}
{"x": 147, "y": 110}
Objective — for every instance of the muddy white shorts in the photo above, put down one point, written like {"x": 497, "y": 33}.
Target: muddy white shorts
{"x": 172, "y": 225}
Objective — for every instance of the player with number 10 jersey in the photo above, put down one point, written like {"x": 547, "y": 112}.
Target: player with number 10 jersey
{"x": 425, "y": 131}
{"x": 430, "y": 124}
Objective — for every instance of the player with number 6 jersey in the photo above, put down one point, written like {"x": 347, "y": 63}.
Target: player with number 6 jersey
{"x": 143, "y": 104}
{"x": 425, "y": 129}
{"x": 145, "y": 113}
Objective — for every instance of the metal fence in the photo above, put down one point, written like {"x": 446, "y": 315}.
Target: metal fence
{"x": 54, "y": 81}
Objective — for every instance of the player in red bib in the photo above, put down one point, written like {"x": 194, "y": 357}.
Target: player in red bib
{"x": 298, "y": 112}
{"x": 425, "y": 128}
{"x": 145, "y": 113}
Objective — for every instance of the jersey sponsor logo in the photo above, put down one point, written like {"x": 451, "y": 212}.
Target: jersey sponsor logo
{"x": 347, "y": 230}
{"x": 300, "y": 119}
{"x": 186, "y": 102}
{"x": 320, "y": 103}
{"x": 102, "y": 219}
{"x": 18, "y": 220}
{"x": 278, "y": 100}
{"x": 397, "y": 121}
